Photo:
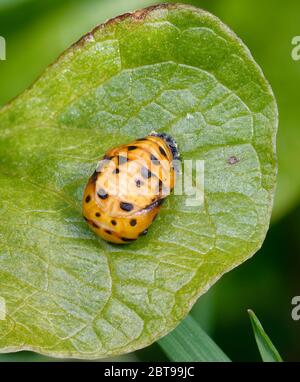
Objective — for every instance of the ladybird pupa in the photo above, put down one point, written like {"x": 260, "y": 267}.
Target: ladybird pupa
{"x": 125, "y": 193}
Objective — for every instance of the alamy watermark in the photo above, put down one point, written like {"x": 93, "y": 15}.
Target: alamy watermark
{"x": 296, "y": 50}
{"x": 2, "y": 49}
{"x": 296, "y": 308}
{"x": 155, "y": 179}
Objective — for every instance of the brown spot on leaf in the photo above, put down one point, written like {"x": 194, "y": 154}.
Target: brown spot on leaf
{"x": 232, "y": 160}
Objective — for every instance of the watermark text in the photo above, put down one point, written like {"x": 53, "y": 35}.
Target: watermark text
{"x": 2, "y": 49}
{"x": 296, "y": 50}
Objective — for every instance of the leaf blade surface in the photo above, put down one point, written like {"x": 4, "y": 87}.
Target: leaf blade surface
{"x": 170, "y": 68}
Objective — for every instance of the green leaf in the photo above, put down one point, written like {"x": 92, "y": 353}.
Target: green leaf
{"x": 11, "y": 3}
{"x": 48, "y": 26}
{"x": 170, "y": 68}
{"x": 275, "y": 23}
{"x": 189, "y": 343}
{"x": 267, "y": 350}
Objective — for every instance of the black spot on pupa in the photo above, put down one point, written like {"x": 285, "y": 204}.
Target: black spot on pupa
{"x": 142, "y": 139}
{"x": 154, "y": 160}
{"x": 232, "y": 160}
{"x": 138, "y": 183}
{"x": 97, "y": 214}
{"x": 116, "y": 171}
{"x": 127, "y": 239}
{"x": 88, "y": 199}
{"x": 146, "y": 173}
{"x": 162, "y": 151}
{"x": 95, "y": 225}
{"x": 94, "y": 176}
{"x": 102, "y": 194}
{"x": 113, "y": 222}
{"x": 133, "y": 222}
{"x": 144, "y": 232}
{"x": 108, "y": 157}
{"x": 107, "y": 231}
{"x": 126, "y": 206}
{"x": 160, "y": 186}
{"x": 85, "y": 218}
{"x": 130, "y": 148}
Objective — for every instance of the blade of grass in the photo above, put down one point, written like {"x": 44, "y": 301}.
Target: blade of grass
{"x": 265, "y": 346}
{"x": 189, "y": 342}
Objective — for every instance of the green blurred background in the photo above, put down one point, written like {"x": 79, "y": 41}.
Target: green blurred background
{"x": 36, "y": 32}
